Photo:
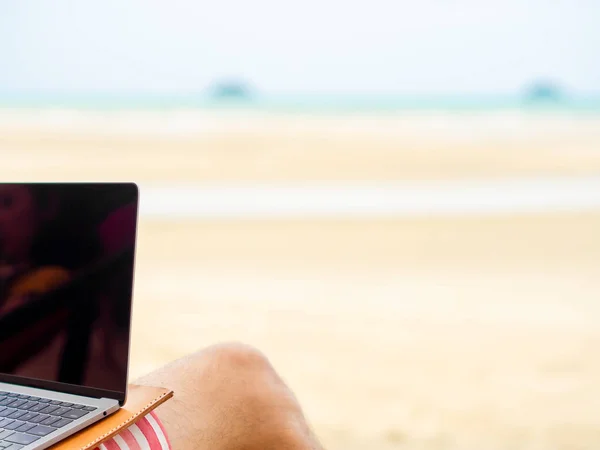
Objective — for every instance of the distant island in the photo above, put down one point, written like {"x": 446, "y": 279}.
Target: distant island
{"x": 544, "y": 91}
{"x": 231, "y": 90}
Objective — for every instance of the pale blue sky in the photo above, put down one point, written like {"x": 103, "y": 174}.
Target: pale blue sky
{"x": 332, "y": 46}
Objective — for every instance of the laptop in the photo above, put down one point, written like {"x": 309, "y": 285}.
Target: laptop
{"x": 66, "y": 284}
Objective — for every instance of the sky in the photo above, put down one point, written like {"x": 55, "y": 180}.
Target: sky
{"x": 313, "y": 46}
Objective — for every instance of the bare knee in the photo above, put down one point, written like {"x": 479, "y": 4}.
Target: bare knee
{"x": 237, "y": 357}
{"x": 235, "y": 397}
{"x": 246, "y": 371}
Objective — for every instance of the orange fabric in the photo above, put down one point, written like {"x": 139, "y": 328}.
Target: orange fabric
{"x": 141, "y": 400}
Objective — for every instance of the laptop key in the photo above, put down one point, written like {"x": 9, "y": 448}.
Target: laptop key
{"x": 39, "y": 418}
{"x": 50, "y": 420}
{"x": 21, "y": 438}
{"x": 27, "y": 417}
{"x": 26, "y": 427}
{"x": 14, "y": 447}
{"x": 67, "y": 404}
{"x": 38, "y": 407}
{"x": 26, "y": 397}
{"x": 41, "y": 430}
{"x": 18, "y": 403}
{"x": 5, "y": 422}
{"x": 13, "y": 426}
{"x": 55, "y": 402}
{"x": 61, "y": 423}
{"x": 75, "y": 414}
{"x": 44, "y": 400}
{"x": 60, "y": 411}
{"x": 5, "y": 433}
{"x": 77, "y": 406}
{"x": 12, "y": 394}
{"x": 7, "y": 412}
{"x": 35, "y": 399}
{"x": 16, "y": 414}
{"x": 89, "y": 408}
{"x": 48, "y": 409}
{"x": 28, "y": 405}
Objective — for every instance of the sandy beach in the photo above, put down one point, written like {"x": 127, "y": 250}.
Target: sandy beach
{"x": 439, "y": 333}
{"x": 200, "y": 146}
{"x": 448, "y": 334}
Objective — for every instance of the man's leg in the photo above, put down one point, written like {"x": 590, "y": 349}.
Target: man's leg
{"x": 229, "y": 397}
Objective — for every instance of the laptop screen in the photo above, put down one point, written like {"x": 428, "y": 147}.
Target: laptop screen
{"x": 66, "y": 277}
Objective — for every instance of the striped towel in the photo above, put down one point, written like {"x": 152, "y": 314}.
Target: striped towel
{"x": 147, "y": 433}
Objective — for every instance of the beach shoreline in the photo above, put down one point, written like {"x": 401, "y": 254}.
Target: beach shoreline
{"x": 191, "y": 146}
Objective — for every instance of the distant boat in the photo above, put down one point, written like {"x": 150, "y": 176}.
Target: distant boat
{"x": 231, "y": 90}
{"x": 544, "y": 92}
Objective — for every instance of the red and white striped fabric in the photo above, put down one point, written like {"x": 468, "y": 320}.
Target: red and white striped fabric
{"x": 146, "y": 434}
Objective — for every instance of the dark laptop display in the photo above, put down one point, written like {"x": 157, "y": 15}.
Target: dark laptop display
{"x": 66, "y": 276}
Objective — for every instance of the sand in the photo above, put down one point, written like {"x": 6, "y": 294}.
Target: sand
{"x": 192, "y": 146}
{"x": 447, "y": 333}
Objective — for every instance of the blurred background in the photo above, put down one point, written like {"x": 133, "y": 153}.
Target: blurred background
{"x": 399, "y": 202}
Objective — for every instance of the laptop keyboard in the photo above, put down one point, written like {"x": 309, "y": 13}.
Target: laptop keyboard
{"x": 25, "y": 419}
